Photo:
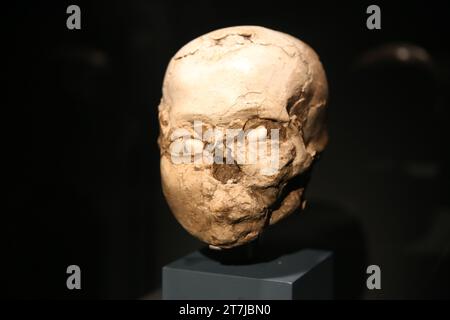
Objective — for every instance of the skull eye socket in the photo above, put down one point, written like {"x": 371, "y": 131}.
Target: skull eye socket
{"x": 257, "y": 134}
{"x": 176, "y": 147}
{"x": 182, "y": 149}
{"x": 269, "y": 125}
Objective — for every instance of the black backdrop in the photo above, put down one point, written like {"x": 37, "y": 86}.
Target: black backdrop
{"x": 81, "y": 166}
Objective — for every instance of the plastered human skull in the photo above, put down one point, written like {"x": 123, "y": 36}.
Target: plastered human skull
{"x": 264, "y": 83}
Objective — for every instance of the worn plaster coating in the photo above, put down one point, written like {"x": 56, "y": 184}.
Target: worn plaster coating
{"x": 241, "y": 77}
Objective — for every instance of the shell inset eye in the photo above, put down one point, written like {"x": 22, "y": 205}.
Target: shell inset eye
{"x": 193, "y": 146}
{"x": 257, "y": 134}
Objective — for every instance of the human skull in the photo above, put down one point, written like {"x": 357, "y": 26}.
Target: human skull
{"x": 249, "y": 78}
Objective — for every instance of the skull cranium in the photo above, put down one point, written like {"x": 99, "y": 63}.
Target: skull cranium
{"x": 249, "y": 78}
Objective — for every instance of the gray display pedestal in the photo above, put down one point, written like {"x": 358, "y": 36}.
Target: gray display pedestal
{"x": 305, "y": 274}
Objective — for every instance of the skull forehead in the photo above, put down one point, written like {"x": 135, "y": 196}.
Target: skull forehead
{"x": 235, "y": 72}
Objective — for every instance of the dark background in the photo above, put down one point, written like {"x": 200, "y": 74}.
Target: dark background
{"x": 81, "y": 168}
